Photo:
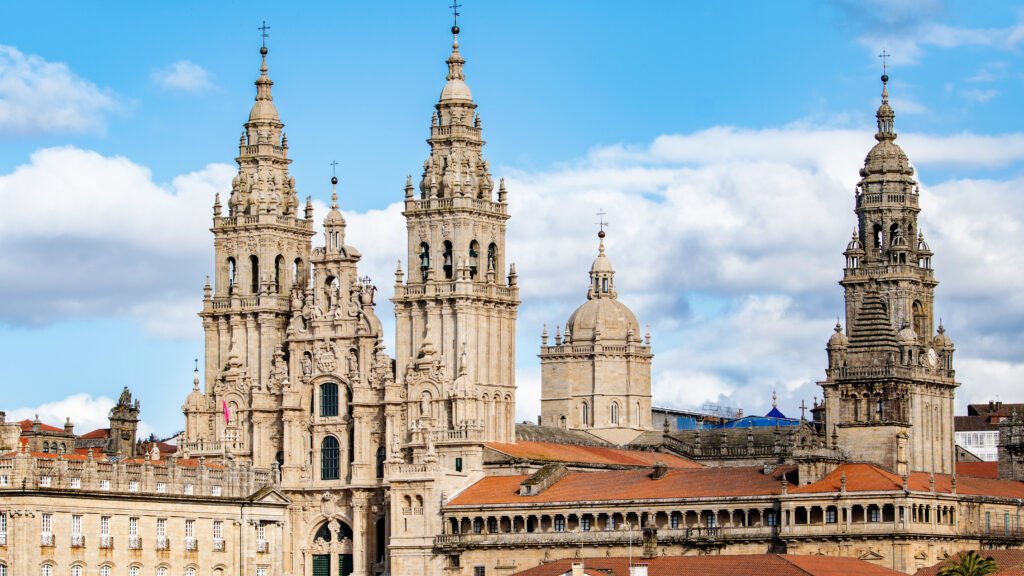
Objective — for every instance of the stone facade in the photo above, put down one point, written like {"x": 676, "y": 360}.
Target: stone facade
{"x": 598, "y": 376}
{"x": 890, "y": 384}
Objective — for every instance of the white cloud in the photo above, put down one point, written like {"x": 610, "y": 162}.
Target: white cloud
{"x": 37, "y": 96}
{"x": 86, "y": 412}
{"x": 183, "y": 75}
{"x": 980, "y": 96}
{"x": 88, "y": 235}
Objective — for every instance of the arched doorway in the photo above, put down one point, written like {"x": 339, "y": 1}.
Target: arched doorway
{"x": 333, "y": 541}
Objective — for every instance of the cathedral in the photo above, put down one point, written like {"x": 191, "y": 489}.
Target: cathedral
{"x": 308, "y": 450}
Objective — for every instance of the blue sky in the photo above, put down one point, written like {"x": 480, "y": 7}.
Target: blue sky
{"x": 723, "y": 138}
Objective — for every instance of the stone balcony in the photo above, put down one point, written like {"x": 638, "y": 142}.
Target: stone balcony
{"x": 164, "y": 478}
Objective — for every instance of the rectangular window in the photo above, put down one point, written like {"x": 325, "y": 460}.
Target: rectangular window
{"x": 104, "y": 525}
{"x": 492, "y": 525}
{"x": 215, "y": 491}
{"x": 3, "y": 530}
{"x": 673, "y": 521}
{"x": 133, "y": 527}
{"x": 874, "y": 515}
{"x": 712, "y": 521}
{"x": 76, "y": 483}
{"x": 45, "y": 481}
{"x": 479, "y": 571}
{"x": 585, "y": 524}
{"x": 559, "y": 524}
{"x": 261, "y": 531}
{"x": 261, "y": 572}
{"x": 4, "y": 480}
{"x": 830, "y": 515}
{"x": 610, "y": 525}
{"x": 988, "y": 521}
{"x": 458, "y": 464}
{"x": 133, "y": 485}
{"x": 161, "y": 527}
{"x": 189, "y": 489}
{"x": 218, "y": 529}
{"x": 769, "y": 518}
{"x": 161, "y": 488}
{"x": 76, "y": 525}
{"x": 190, "y": 528}
{"x": 104, "y": 484}
{"x": 47, "y": 523}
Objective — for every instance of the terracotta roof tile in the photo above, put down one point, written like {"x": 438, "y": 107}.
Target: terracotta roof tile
{"x": 626, "y": 485}
{"x": 96, "y": 434}
{"x": 739, "y": 565}
{"x": 1006, "y": 560}
{"x": 552, "y": 452}
{"x": 869, "y": 478}
{"x": 979, "y": 469}
{"x": 26, "y": 426}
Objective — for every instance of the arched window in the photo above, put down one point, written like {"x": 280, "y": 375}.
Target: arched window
{"x": 47, "y": 570}
{"x": 585, "y": 414}
{"x": 299, "y": 273}
{"x": 636, "y": 421}
{"x": 380, "y": 461}
{"x": 382, "y": 544}
{"x": 604, "y": 285}
{"x": 233, "y": 413}
{"x": 278, "y": 273}
{"x": 63, "y": 448}
{"x": 76, "y": 570}
{"x": 190, "y": 571}
{"x": 424, "y": 259}
{"x": 254, "y": 268}
{"x": 878, "y": 236}
{"x": 46, "y": 447}
{"x": 160, "y": 571}
{"x": 880, "y": 408}
{"x": 474, "y": 256}
{"x": 561, "y": 421}
{"x": 492, "y": 257}
{"x": 132, "y": 571}
{"x": 328, "y": 399}
{"x": 105, "y": 571}
{"x": 920, "y": 320}
{"x": 330, "y": 459}
{"x": 448, "y": 264}
{"x": 614, "y": 409}
{"x": 231, "y": 275}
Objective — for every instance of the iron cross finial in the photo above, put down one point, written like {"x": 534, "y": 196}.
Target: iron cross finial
{"x": 455, "y": 11}
{"x": 600, "y": 220}
{"x": 334, "y": 168}
{"x": 885, "y": 60}
{"x": 263, "y": 32}
{"x": 803, "y": 408}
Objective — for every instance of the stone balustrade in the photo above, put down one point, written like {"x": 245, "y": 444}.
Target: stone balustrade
{"x": 166, "y": 477}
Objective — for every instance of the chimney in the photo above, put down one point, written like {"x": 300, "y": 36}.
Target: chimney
{"x": 577, "y": 569}
{"x": 69, "y": 428}
{"x": 660, "y": 471}
{"x": 638, "y": 570}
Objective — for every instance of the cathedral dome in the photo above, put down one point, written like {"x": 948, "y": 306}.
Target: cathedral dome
{"x": 613, "y": 318}
{"x": 838, "y": 339}
{"x": 456, "y": 89}
{"x": 907, "y": 335}
{"x": 942, "y": 340}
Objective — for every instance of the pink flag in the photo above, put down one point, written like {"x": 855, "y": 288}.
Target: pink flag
{"x": 227, "y": 412}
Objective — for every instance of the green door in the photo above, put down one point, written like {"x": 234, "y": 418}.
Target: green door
{"x": 344, "y": 564}
{"x": 321, "y": 565}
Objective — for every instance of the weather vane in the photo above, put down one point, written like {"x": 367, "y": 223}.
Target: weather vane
{"x": 455, "y": 11}
{"x": 885, "y": 61}
{"x": 334, "y": 167}
{"x": 263, "y": 32}
{"x": 600, "y": 221}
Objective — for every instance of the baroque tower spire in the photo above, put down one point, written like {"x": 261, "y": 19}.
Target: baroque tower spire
{"x": 890, "y": 381}
{"x": 454, "y": 301}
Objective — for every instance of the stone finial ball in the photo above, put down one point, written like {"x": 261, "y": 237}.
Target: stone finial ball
{"x": 455, "y": 29}
{"x": 601, "y": 234}
{"x": 885, "y": 77}
{"x": 334, "y": 179}
{"x": 264, "y": 50}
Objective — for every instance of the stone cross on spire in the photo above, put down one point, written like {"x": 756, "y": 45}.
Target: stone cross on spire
{"x": 263, "y": 32}
{"x": 885, "y": 60}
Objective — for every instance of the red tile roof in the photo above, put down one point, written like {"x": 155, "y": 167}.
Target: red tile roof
{"x": 869, "y": 478}
{"x": 26, "y": 426}
{"x": 739, "y": 565}
{"x": 552, "y": 452}
{"x": 99, "y": 433}
{"x": 627, "y": 485}
{"x": 1006, "y": 560}
{"x": 979, "y": 469}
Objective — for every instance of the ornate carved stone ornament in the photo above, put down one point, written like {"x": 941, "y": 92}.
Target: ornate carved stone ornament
{"x": 328, "y": 506}
{"x": 326, "y": 356}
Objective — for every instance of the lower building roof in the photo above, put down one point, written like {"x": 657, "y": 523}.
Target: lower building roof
{"x": 739, "y": 565}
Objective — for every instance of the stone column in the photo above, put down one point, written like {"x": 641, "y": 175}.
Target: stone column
{"x": 360, "y": 535}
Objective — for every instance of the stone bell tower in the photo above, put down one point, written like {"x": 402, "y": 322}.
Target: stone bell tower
{"x": 262, "y": 249}
{"x": 456, "y": 309}
{"x": 890, "y": 382}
